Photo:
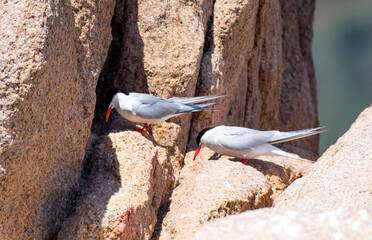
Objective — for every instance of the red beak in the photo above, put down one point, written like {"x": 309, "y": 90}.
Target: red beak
{"x": 108, "y": 113}
{"x": 197, "y": 151}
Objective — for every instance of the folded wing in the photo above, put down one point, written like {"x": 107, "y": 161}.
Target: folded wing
{"x": 151, "y": 107}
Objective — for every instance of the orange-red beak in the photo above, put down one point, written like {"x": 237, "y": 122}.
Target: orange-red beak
{"x": 197, "y": 151}
{"x": 108, "y": 113}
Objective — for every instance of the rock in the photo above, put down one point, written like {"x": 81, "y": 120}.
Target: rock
{"x": 222, "y": 47}
{"x": 341, "y": 177}
{"x": 247, "y": 58}
{"x": 280, "y": 172}
{"x": 272, "y": 223}
{"x": 231, "y": 62}
{"x": 213, "y": 189}
{"x": 187, "y": 49}
{"x": 157, "y": 49}
{"x": 51, "y": 56}
{"x": 124, "y": 188}
{"x": 298, "y": 99}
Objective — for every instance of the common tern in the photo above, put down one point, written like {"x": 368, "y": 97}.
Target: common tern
{"x": 247, "y": 143}
{"x": 148, "y": 109}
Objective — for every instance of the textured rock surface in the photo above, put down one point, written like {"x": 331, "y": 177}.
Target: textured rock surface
{"x": 279, "y": 171}
{"x": 341, "y": 223}
{"x": 208, "y": 47}
{"x": 122, "y": 192}
{"x": 248, "y": 55}
{"x": 222, "y": 47}
{"x": 298, "y": 100}
{"x": 213, "y": 189}
{"x": 237, "y": 62}
{"x": 157, "y": 49}
{"x": 51, "y": 54}
{"x": 168, "y": 48}
{"x": 341, "y": 177}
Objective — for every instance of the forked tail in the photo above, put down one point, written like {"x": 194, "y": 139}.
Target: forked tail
{"x": 277, "y": 151}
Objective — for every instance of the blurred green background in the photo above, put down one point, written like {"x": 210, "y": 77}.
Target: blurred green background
{"x": 342, "y": 52}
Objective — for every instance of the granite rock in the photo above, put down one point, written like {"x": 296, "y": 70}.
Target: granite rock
{"x": 210, "y": 190}
{"x": 279, "y": 171}
{"x": 248, "y": 56}
{"x": 271, "y": 223}
{"x": 51, "y": 54}
{"x": 341, "y": 177}
{"x": 124, "y": 187}
{"x": 298, "y": 96}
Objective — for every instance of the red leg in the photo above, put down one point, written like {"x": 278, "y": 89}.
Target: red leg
{"x": 140, "y": 130}
{"x": 147, "y": 129}
{"x": 244, "y": 161}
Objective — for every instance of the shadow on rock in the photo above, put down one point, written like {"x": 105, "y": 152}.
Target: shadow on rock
{"x": 100, "y": 181}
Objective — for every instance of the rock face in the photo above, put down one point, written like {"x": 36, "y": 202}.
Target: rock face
{"x": 51, "y": 57}
{"x": 213, "y": 189}
{"x": 332, "y": 200}
{"x": 238, "y": 62}
{"x": 222, "y": 47}
{"x": 210, "y": 189}
{"x": 123, "y": 188}
{"x": 298, "y": 101}
{"x": 341, "y": 223}
{"x": 248, "y": 55}
{"x": 157, "y": 48}
{"x": 341, "y": 177}
{"x": 210, "y": 47}
{"x": 279, "y": 171}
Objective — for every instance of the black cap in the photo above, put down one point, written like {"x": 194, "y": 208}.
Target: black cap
{"x": 110, "y": 94}
{"x": 201, "y": 134}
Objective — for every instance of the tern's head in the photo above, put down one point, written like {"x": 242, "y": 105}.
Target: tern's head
{"x": 113, "y": 97}
{"x": 199, "y": 140}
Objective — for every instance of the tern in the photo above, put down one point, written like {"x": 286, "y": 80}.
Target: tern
{"x": 148, "y": 109}
{"x": 247, "y": 143}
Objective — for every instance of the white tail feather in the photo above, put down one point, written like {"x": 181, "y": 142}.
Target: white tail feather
{"x": 277, "y": 151}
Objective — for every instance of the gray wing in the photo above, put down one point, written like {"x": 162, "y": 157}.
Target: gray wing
{"x": 239, "y": 138}
{"x": 151, "y": 107}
